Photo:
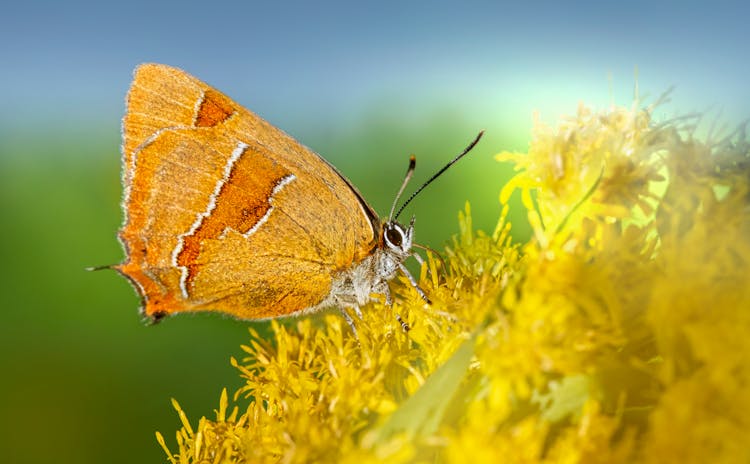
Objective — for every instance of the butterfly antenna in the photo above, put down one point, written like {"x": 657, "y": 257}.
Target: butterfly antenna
{"x": 407, "y": 177}
{"x": 437, "y": 174}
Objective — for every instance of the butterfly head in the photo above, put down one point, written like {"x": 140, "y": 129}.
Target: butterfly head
{"x": 397, "y": 238}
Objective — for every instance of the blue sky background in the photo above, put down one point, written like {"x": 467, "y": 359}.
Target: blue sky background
{"x": 325, "y": 61}
{"x": 363, "y": 83}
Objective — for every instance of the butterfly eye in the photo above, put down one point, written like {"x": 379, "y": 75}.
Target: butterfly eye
{"x": 394, "y": 237}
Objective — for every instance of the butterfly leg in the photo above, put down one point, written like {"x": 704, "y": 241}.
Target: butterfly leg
{"x": 414, "y": 283}
{"x": 404, "y": 325}
{"x": 383, "y": 289}
{"x": 357, "y": 312}
{"x": 350, "y": 321}
{"x": 389, "y": 301}
{"x": 418, "y": 258}
{"x": 421, "y": 262}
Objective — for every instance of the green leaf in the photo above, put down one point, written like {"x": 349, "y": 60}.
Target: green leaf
{"x": 421, "y": 414}
{"x": 565, "y": 398}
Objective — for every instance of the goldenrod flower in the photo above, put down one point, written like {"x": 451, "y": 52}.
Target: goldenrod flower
{"x": 619, "y": 333}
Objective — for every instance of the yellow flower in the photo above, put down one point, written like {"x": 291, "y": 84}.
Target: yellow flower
{"x": 619, "y": 333}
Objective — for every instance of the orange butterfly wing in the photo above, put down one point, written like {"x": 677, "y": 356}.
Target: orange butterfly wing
{"x": 225, "y": 212}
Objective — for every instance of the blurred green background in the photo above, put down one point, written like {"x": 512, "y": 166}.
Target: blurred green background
{"x": 363, "y": 84}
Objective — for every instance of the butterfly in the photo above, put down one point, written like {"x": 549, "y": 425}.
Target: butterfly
{"x": 224, "y": 212}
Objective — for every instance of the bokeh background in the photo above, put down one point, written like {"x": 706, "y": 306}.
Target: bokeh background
{"x": 363, "y": 83}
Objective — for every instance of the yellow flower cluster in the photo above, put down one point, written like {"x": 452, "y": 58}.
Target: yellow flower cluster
{"x": 619, "y": 333}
